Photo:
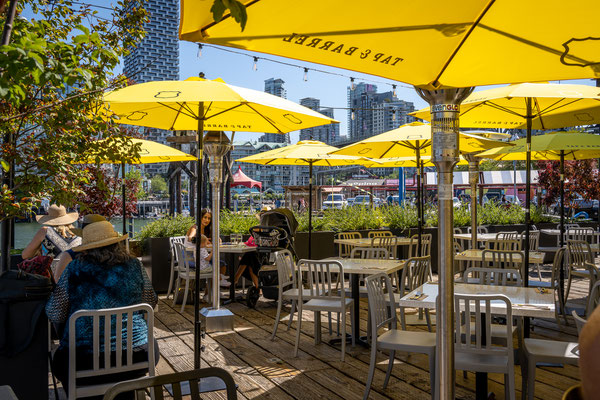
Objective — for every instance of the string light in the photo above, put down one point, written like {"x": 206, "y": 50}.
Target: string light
{"x": 199, "y": 50}
{"x": 394, "y": 90}
{"x": 305, "y": 74}
{"x": 352, "y": 85}
{"x": 352, "y": 115}
{"x": 254, "y": 67}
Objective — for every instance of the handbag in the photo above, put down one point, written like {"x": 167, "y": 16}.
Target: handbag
{"x": 38, "y": 265}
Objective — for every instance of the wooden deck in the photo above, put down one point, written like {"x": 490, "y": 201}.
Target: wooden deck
{"x": 265, "y": 369}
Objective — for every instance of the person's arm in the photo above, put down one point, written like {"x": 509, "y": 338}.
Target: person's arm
{"x": 191, "y": 233}
{"x": 58, "y": 305}
{"x": 64, "y": 259}
{"x": 208, "y": 256}
{"x": 33, "y": 248}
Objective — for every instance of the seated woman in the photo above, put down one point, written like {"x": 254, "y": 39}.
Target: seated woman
{"x": 55, "y": 236}
{"x": 102, "y": 275}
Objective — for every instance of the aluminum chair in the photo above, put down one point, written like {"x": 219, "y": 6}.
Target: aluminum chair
{"x": 102, "y": 360}
{"x": 414, "y": 274}
{"x": 323, "y": 298}
{"x": 474, "y": 351}
{"x": 534, "y": 243}
{"x": 508, "y": 259}
{"x": 390, "y": 243}
{"x": 580, "y": 263}
{"x": 493, "y": 276}
{"x": 345, "y": 249}
{"x": 156, "y": 384}
{"x": 174, "y": 261}
{"x": 373, "y": 234}
{"x": 382, "y": 314}
{"x": 187, "y": 273}
{"x": 480, "y": 229}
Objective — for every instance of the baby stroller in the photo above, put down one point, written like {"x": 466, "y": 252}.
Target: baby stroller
{"x": 277, "y": 231}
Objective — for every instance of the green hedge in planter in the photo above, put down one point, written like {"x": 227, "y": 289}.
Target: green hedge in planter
{"x": 231, "y": 222}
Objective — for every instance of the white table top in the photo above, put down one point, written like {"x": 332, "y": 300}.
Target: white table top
{"x": 366, "y": 242}
{"x": 526, "y": 302}
{"x": 369, "y": 266}
{"x": 228, "y": 248}
{"x": 481, "y": 237}
{"x": 535, "y": 257}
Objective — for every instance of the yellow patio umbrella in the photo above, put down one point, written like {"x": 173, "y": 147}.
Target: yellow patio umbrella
{"x": 306, "y": 153}
{"x": 399, "y": 162}
{"x": 149, "y": 153}
{"x": 200, "y": 104}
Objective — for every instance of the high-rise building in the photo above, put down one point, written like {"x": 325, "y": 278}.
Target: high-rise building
{"x": 275, "y": 87}
{"x": 371, "y": 113}
{"x": 156, "y": 58}
{"x": 325, "y": 133}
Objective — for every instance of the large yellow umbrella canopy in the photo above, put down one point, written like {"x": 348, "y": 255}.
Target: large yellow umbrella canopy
{"x": 149, "y": 153}
{"x": 392, "y": 162}
{"x": 573, "y": 145}
{"x": 174, "y": 105}
{"x": 407, "y": 139}
{"x": 428, "y": 44}
{"x": 553, "y": 106}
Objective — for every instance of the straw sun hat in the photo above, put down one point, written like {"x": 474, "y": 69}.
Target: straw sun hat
{"x": 99, "y": 234}
{"x": 57, "y": 216}
{"x": 87, "y": 219}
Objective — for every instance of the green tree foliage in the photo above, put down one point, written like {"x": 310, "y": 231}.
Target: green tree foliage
{"x": 158, "y": 184}
{"x": 52, "y": 76}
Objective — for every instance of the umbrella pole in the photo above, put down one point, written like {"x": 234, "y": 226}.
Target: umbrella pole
{"x": 199, "y": 164}
{"x": 123, "y": 202}
{"x": 562, "y": 223}
{"x": 525, "y": 273}
{"x": 419, "y": 201}
{"x": 310, "y": 195}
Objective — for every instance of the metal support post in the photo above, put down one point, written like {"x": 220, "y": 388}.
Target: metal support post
{"x": 445, "y": 105}
{"x": 473, "y": 180}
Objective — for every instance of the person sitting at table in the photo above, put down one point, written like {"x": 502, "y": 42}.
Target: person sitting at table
{"x": 249, "y": 265}
{"x": 55, "y": 236}
{"x": 102, "y": 275}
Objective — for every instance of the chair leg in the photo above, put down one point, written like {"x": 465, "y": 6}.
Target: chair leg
{"x": 176, "y": 289}
{"x": 371, "y": 370}
{"x": 509, "y": 382}
{"x": 428, "y": 318}
{"x": 298, "y": 328}
{"x": 277, "y": 317}
{"x": 352, "y": 325}
{"x": 185, "y": 294}
{"x": 329, "y": 323}
{"x": 171, "y": 278}
{"x": 539, "y": 271}
{"x": 432, "y": 374}
{"x": 389, "y": 368}
{"x": 344, "y": 335}
{"x": 524, "y": 376}
{"x": 568, "y": 286}
{"x": 293, "y": 310}
{"x": 402, "y": 318}
{"x": 317, "y": 327}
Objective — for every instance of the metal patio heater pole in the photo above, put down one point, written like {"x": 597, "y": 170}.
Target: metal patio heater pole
{"x": 561, "y": 274}
{"x": 473, "y": 180}
{"x": 419, "y": 200}
{"x": 445, "y": 105}
{"x": 123, "y": 193}
{"x": 199, "y": 164}
{"x": 310, "y": 199}
{"x": 216, "y": 145}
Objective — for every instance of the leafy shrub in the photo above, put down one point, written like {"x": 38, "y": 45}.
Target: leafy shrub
{"x": 165, "y": 227}
{"x": 231, "y": 222}
{"x": 537, "y": 216}
{"x": 400, "y": 217}
{"x": 498, "y": 214}
{"x": 462, "y": 216}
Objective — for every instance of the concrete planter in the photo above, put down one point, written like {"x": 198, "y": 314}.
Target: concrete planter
{"x": 157, "y": 262}
{"x": 322, "y": 245}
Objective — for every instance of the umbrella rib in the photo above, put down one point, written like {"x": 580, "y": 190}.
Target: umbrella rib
{"x": 221, "y": 112}
{"x": 265, "y": 118}
{"x": 176, "y": 109}
{"x": 387, "y": 151}
{"x": 506, "y": 110}
{"x": 463, "y": 40}
{"x": 177, "y": 115}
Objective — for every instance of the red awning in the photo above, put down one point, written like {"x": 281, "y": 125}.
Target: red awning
{"x": 241, "y": 179}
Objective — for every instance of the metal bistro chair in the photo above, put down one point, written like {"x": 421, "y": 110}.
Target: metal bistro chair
{"x": 390, "y": 243}
{"x": 493, "y": 276}
{"x": 414, "y": 274}
{"x": 373, "y": 234}
{"x": 174, "y": 261}
{"x": 475, "y": 352}
{"x": 534, "y": 243}
{"x": 583, "y": 234}
{"x": 155, "y": 384}
{"x": 323, "y": 297}
{"x": 345, "y": 249}
{"x": 287, "y": 277}
{"x": 507, "y": 259}
{"x": 107, "y": 361}
{"x": 480, "y": 229}
{"x": 187, "y": 272}
{"x": 425, "y": 248}
{"x": 580, "y": 263}
{"x": 382, "y": 314}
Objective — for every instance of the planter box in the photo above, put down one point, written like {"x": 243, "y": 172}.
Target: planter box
{"x": 157, "y": 262}
{"x": 322, "y": 245}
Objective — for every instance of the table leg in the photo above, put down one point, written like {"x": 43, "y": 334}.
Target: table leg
{"x": 481, "y": 378}
{"x": 231, "y": 270}
{"x": 362, "y": 341}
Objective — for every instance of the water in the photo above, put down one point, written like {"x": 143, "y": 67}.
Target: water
{"x": 25, "y": 231}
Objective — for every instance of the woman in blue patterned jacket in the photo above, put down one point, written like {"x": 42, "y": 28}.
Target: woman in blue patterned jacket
{"x": 102, "y": 275}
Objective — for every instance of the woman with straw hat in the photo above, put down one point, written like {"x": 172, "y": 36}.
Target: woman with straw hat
{"x": 55, "y": 236}
{"x": 102, "y": 275}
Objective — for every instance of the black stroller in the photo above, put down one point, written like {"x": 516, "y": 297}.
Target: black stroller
{"x": 277, "y": 231}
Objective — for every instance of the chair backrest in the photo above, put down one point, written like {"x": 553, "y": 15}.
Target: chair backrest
{"x": 506, "y": 259}
{"x": 568, "y": 226}
{"x": 286, "y": 275}
{"x": 105, "y": 321}
{"x": 378, "y": 253}
{"x": 174, "y": 253}
{"x": 559, "y": 259}
{"x": 373, "y": 234}
{"x": 345, "y": 249}
{"x": 322, "y": 277}
{"x": 381, "y": 305}
{"x": 504, "y": 244}
{"x": 583, "y": 234}
{"x": 480, "y": 229}
{"x": 477, "y": 308}
{"x": 534, "y": 239}
{"x": 579, "y": 322}
{"x": 414, "y": 274}
{"x": 579, "y": 253}
{"x": 425, "y": 245}
{"x": 184, "y": 258}
{"x": 593, "y": 299}
{"x": 389, "y": 243}
{"x": 155, "y": 384}
{"x": 493, "y": 276}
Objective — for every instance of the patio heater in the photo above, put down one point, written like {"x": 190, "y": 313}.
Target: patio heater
{"x": 445, "y": 107}
{"x": 216, "y": 145}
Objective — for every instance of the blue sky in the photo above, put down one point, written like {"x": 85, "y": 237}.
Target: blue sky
{"x": 237, "y": 69}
